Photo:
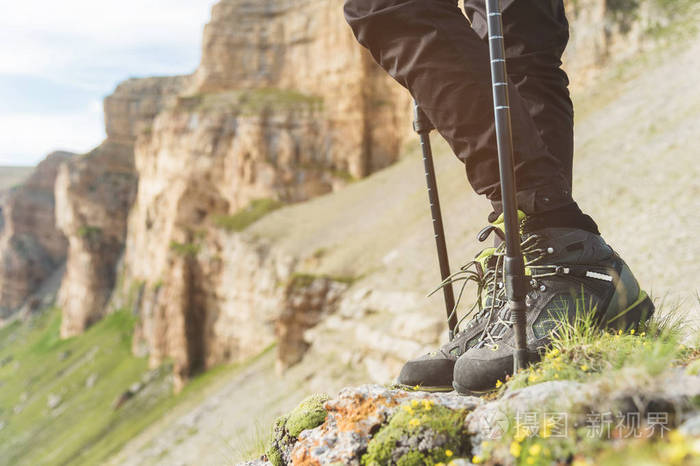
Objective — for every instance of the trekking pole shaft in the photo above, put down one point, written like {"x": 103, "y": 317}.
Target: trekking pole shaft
{"x": 423, "y": 126}
{"x": 514, "y": 264}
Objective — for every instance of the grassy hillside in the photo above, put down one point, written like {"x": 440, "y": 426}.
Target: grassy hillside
{"x": 57, "y": 397}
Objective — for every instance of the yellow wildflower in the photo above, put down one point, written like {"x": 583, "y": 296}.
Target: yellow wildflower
{"x": 535, "y": 449}
{"x": 545, "y": 432}
{"x": 414, "y": 422}
{"x": 427, "y": 404}
{"x": 676, "y": 436}
{"x": 439, "y": 464}
{"x": 477, "y": 459}
{"x": 515, "y": 449}
{"x": 408, "y": 409}
{"x": 448, "y": 453}
{"x": 451, "y": 463}
{"x": 499, "y": 384}
{"x": 584, "y": 367}
{"x": 632, "y": 332}
{"x": 643, "y": 334}
{"x": 619, "y": 332}
{"x": 531, "y": 460}
{"x": 521, "y": 434}
{"x": 414, "y": 403}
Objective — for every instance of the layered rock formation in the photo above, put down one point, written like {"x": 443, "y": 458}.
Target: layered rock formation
{"x": 31, "y": 247}
{"x": 94, "y": 193}
{"x": 284, "y": 106}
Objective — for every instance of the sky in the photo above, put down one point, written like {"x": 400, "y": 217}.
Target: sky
{"x": 60, "y": 58}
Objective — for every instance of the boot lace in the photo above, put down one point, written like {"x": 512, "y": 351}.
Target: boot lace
{"x": 499, "y": 316}
{"x": 484, "y": 272}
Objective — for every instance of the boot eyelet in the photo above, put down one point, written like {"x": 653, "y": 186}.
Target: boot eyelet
{"x": 543, "y": 288}
{"x": 494, "y": 348}
{"x": 550, "y": 250}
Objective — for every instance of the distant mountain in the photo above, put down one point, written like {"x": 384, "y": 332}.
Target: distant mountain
{"x": 12, "y": 176}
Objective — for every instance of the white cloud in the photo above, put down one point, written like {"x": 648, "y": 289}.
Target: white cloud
{"x": 26, "y": 138}
{"x": 91, "y": 45}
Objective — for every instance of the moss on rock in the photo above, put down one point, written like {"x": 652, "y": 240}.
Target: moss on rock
{"x": 309, "y": 414}
{"x": 419, "y": 433}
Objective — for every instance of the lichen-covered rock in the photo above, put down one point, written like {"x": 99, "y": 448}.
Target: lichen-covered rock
{"x": 309, "y": 414}
{"x": 420, "y": 433}
{"x": 357, "y": 415}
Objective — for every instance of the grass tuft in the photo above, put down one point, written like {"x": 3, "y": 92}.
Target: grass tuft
{"x": 245, "y": 217}
{"x": 582, "y": 351}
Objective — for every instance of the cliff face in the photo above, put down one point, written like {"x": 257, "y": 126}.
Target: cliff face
{"x": 284, "y": 107}
{"x": 94, "y": 193}
{"x": 305, "y": 45}
{"x": 31, "y": 247}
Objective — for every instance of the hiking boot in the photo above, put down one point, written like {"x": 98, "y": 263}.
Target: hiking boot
{"x": 434, "y": 371}
{"x": 573, "y": 273}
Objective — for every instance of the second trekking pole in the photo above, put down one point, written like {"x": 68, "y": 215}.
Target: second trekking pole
{"x": 423, "y": 127}
{"x": 514, "y": 264}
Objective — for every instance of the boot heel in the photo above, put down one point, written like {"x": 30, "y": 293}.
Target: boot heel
{"x": 641, "y": 311}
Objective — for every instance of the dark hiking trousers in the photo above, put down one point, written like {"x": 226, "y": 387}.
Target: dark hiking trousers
{"x": 431, "y": 48}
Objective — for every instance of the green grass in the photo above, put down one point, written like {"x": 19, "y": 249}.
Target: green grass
{"x": 253, "y": 446}
{"x": 300, "y": 280}
{"x": 89, "y": 232}
{"x": 84, "y": 429}
{"x": 185, "y": 249}
{"x": 245, "y": 217}
{"x": 583, "y": 353}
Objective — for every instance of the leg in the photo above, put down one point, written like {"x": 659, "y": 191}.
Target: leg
{"x": 536, "y": 34}
{"x": 430, "y": 48}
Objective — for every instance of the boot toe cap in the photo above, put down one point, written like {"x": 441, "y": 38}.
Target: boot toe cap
{"x": 478, "y": 371}
{"x": 427, "y": 372}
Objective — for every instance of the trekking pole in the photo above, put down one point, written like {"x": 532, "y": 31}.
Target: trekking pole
{"x": 423, "y": 126}
{"x": 514, "y": 264}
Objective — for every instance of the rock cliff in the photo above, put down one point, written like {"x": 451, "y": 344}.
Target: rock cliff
{"x": 31, "y": 246}
{"x": 283, "y": 108}
{"x": 94, "y": 193}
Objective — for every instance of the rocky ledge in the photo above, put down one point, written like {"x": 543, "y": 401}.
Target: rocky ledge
{"x": 604, "y": 412}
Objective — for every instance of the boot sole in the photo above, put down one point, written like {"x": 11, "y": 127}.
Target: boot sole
{"x": 421, "y": 388}
{"x": 464, "y": 392}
